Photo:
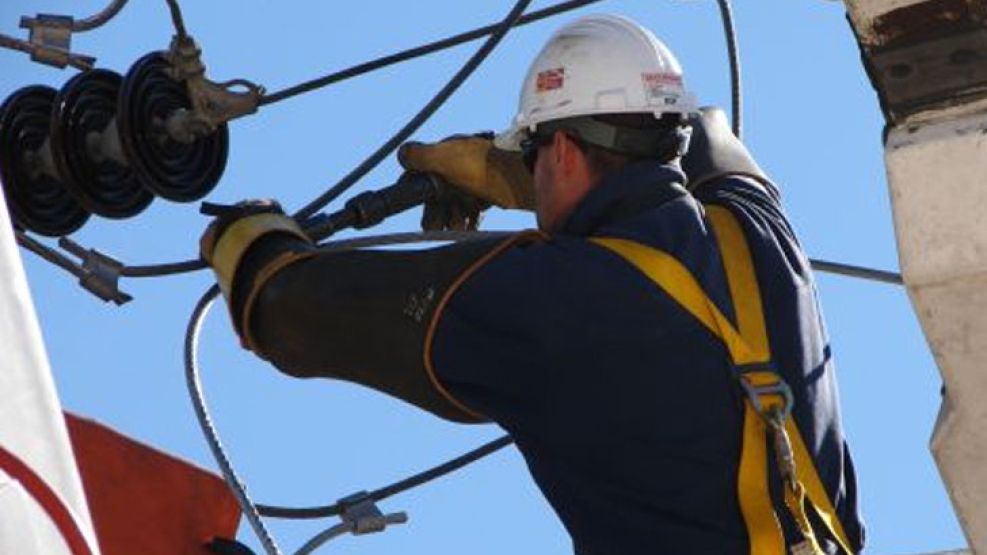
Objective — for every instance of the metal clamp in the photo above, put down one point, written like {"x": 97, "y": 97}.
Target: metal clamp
{"x": 100, "y": 273}
{"x": 213, "y": 104}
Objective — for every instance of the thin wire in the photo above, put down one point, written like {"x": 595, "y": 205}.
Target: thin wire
{"x": 209, "y": 430}
{"x": 407, "y": 237}
{"x": 99, "y": 19}
{"x": 392, "y": 489}
{"x": 416, "y": 52}
{"x": 158, "y": 270}
{"x": 733, "y": 52}
{"x": 420, "y": 118}
{"x": 12, "y": 43}
{"x": 442, "y": 469}
{"x": 324, "y": 536}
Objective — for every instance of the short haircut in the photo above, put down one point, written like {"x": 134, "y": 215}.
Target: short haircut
{"x": 604, "y": 161}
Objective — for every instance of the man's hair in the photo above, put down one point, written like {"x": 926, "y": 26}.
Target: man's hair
{"x": 605, "y": 161}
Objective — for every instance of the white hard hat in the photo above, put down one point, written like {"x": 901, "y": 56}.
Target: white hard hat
{"x": 599, "y": 64}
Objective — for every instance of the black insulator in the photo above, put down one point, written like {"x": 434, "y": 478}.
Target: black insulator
{"x": 86, "y": 149}
{"x": 176, "y": 170}
{"x": 38, "y": 201}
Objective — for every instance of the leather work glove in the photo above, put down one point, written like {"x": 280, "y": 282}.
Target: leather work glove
{"x": 453, "y": 209}
{"x": 715, "y": 151}
{"x": 473, "y": 164}
{"x": 235, "y": 228}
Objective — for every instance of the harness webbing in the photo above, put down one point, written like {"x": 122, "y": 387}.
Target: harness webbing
{"x": 767, "y": 403}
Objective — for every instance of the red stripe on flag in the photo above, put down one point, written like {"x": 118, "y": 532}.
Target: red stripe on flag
{"x": 49, "y": 501}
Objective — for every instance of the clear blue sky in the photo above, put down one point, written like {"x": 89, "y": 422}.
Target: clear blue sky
{"x": 811, "y": 119}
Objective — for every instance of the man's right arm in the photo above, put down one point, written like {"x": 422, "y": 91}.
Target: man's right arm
{"x": 715, "y": 153}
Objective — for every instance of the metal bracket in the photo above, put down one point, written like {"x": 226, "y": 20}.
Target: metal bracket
{"x": 50, "y": 40}
{"x": 930, "y": 74}
{"x": 100, "y": 273}
{"x": 213, "y": 104}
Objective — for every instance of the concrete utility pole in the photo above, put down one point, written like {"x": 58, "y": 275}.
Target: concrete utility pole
{"x": 927, "y": 59}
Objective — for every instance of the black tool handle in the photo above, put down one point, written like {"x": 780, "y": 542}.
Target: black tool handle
{"x": 371, "y": 207}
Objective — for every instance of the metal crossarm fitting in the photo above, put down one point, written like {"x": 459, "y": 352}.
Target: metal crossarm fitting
{"x": 213, "y": 104}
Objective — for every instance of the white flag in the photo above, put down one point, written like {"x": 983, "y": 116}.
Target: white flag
{"x": 42, "y": 504}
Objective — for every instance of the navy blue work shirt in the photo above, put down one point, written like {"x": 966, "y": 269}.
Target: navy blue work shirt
{"x": 623, "y": 405}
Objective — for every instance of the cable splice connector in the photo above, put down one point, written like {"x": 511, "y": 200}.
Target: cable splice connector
{"x": 100, "y": 273}
{"x": 50, "y": 36}
{"x": 360, "y": 512}
{"x": 360, "y": 516}
{"x": 49, "y": 42}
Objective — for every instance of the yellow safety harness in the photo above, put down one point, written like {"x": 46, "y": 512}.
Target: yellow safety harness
{"x": 768, "y": 399}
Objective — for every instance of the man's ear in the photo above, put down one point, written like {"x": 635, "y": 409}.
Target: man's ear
{"x": 566, "y": 153}
{"x": 559, "y": 141}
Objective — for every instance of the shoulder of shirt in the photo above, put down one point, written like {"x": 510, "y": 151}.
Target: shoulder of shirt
{"x": 737, "y": 183}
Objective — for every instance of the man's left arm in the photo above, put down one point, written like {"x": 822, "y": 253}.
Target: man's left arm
{"x": 360, "y": 316}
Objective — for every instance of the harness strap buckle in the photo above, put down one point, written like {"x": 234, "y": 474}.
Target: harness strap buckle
{"x": 760, "y": 383}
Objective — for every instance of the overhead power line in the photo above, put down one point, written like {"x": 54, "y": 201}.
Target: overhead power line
{"x": 426, "y": 112}
{"x": 416, "y": 52}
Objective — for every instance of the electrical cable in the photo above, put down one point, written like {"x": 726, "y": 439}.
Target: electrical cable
{"x": 176, "y": 19}
{"x": 194, "y": 384}
{"x": 100, "y": 18}
{"x": 378, "y": 156}
{"x": 416, "y": 52}
{"x": 159, "y": 270}
{"x": 733, "y": 53}
{"x": 298, "y": 513}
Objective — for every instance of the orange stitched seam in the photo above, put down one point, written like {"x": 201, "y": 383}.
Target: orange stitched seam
{"x": 433, "y": 325}
{"x": 266, "y": 273}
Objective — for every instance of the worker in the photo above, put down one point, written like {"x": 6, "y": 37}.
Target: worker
{"x": 655, "y": 348}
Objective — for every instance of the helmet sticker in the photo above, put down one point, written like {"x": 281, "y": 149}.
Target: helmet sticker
{"x": 660, "y": 84}
{"x": 550, "y": 80}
